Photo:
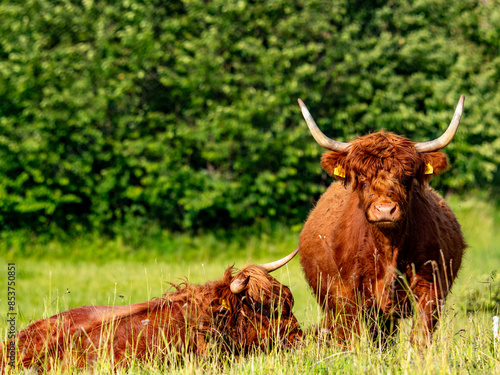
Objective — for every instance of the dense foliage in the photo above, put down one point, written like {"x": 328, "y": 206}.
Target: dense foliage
{"x": 183, "y": 113}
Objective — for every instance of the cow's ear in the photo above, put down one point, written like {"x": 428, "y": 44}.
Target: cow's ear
{"x": 434, "y": 163}
{"x": 333, "y": 163}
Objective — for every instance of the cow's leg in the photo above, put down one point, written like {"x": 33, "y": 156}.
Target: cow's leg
{"x": 428, "y": 306}
{"x": 342, "y": 319}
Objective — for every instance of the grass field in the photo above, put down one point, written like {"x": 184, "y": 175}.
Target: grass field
{"x": 55, "y": 277}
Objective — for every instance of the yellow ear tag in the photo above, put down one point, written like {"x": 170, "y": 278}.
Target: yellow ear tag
{"x": 226, "y": 305}
{"x": 429, "y": 169}
{"x": 339, "y": 171}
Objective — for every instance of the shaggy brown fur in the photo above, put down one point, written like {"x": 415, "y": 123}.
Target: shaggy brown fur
{"x": 199, "y": 319}
{"x": 361, "y": 263}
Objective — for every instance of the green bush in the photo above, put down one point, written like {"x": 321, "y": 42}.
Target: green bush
{"x": 183, "y": 114}
{"x": 485, "y": 297}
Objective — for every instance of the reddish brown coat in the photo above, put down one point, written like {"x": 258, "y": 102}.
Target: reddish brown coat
{"x": 200, "y": 319}
{"x": 379, "y": 231}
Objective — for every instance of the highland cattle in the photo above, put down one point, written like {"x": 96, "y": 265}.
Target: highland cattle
{"x": 246, "y": 310}
{"x": 381, "y": 244}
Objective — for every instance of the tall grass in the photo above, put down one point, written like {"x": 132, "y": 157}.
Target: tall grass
{"x": 52, "y": 277}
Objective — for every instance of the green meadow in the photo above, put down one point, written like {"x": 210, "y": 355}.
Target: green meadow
{"x": 56, "y": 276}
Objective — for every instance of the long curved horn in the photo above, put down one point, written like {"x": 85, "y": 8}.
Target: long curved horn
{"x": 447, "y": 137}
{"x": 273, "y": 266}
{"x": 318, "y": 135}
{"x": 237, "y": 285}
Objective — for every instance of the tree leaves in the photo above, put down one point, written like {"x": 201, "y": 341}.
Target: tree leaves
{"x": 184, "y": 114}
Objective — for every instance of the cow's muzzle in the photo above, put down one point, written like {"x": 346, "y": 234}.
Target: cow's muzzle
{"x": 384, "y": 213}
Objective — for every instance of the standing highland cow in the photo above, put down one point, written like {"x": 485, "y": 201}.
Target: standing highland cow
{"x": 381, "y": 243}
{"x": 245, "y": 311}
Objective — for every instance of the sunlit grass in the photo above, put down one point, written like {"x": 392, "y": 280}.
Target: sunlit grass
{"x": 463, "y": 341}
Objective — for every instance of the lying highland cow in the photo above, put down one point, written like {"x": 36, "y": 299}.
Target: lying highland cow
{"x": 241, "y": 312}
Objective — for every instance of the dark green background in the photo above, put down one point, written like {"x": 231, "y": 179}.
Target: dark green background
{"x": 183, "y": 114}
